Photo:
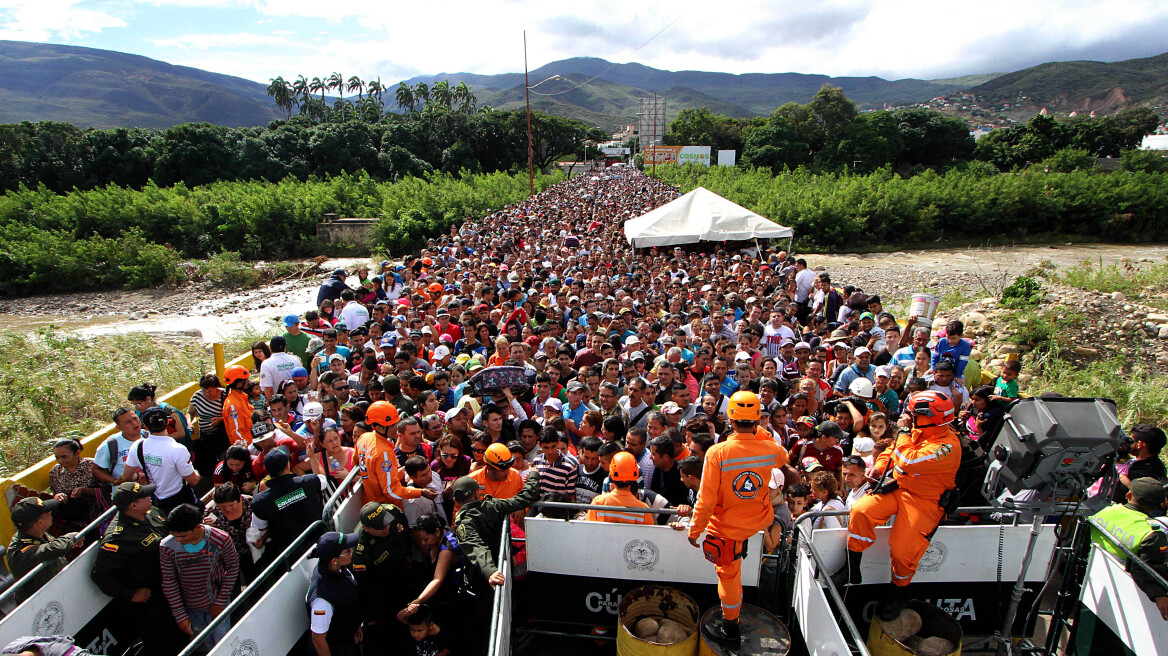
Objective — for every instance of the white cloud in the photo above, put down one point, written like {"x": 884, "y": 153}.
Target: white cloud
{"x": 904, "y": 38}
{"x": 42, "y": 20}
{"x": 221, "y": 41}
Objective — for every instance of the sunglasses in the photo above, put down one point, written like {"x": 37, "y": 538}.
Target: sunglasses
{"x": 473, "y": 449}
{"x": 455, "y": 455}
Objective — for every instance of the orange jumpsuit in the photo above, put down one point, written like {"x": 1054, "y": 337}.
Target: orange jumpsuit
{"x": 618, "y": 497}
{"x": 501, "y": 490}
{"x": 734, "y": 502}
{"x": 237, "y": 411}
{"x": 381, "y": 481}
{"x": 924, "y": 464}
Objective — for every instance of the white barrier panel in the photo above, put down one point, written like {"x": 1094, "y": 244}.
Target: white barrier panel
{"x": 1110, "y": 593}
{"x": 276, "y": 622}
{"x": 822, "y": 636}
{"x": 956, "y": 554}
{"x": 627, "y": 551}
{"x": 65, "y": 604}
{"x": 501, "y": 631}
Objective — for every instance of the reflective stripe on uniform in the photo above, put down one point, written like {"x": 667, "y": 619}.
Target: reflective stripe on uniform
{"x": 725, "y": 605}
{"x": 734, "y": 464}
{"x": 913, "y": 461}
{"x": 860, "y": 537}
{"x": 619, "y": 515}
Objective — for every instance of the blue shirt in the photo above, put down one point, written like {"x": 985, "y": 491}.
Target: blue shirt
{"x": 850, "y": 374}
{"x": 960, "y": 354}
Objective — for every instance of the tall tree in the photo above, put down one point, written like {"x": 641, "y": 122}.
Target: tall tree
{"x": 355, "y": 84}
{"x": 465, "y": 98}
{"x": 300, "y": 88}
{"x": 281, "y": 92}
{"x": 441, "y": 94}
{"x": 405, "y": 96}
{"x": 320, "y": 85}
{"x": 336, "y": 81}
{"x": 422, "y": 93}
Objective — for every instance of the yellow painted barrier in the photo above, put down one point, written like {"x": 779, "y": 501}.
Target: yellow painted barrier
{"x": 36, "y": 477}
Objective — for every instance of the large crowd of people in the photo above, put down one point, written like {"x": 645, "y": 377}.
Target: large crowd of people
{"x": 529, "y": 355}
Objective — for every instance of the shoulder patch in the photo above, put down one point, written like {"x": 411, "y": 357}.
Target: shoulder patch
{"x": 944, "y": 450}
{"x": 319, "y": 612}
{"x": 27, "y": 548}
{"x": 109, "y": 546}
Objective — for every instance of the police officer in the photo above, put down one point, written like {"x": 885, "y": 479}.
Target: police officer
{"x": 31, "y": 546}
{"x": 288, "y": 506}
{"x": 334, "y": 605}
{"x": 478, "y": 527}
{"x": 733, "y": 504}
{"x": 127, "y": 567}
{"x": 379, "y": 561}
{"x": 1133, "y": 525}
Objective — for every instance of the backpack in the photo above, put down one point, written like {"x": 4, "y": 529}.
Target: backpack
{"x": 170, "y": 420}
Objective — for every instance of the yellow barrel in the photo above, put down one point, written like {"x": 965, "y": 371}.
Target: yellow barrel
{"x": 762, "y": 634}
{"x": 934, "y": 623}
{"x": 657, "y": 602}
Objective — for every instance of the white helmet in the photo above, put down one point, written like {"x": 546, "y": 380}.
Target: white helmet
{"x": 314, "y": 410}
{"x": 862, "y": 387}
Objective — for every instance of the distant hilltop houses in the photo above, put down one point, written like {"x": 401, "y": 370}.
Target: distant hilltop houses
{"x": 986, "y": 115}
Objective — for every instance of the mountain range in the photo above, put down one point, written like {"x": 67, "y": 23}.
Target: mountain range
{"x": 101, "y": 88}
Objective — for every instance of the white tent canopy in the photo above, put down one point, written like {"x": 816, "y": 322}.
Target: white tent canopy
{"x": 700, "y": 215}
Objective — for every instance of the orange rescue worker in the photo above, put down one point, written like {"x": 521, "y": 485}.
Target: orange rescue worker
{"x": 498, "y": 479}
{"x": 734, "y": 504}
{"x": 624, "y": 474}
{"x": 237, "y": 406}
{"x": 924, "y": 464}
{"x": 381, "y": 480}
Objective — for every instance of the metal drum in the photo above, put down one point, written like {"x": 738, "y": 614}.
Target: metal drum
{"x": 934, "y": 623}
{"x": 762, "y": 634}
{"x": 656, "y": 602}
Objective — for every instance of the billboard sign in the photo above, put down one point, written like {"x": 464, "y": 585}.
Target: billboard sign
{"x": 677, "y": 155}
{"x": 615, "y": 152}
{"x": 726, "y": 157}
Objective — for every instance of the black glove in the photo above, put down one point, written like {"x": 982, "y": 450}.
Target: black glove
{"x": 886, "y": 488}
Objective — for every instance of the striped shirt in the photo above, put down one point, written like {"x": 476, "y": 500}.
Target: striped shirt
{"x": 558, "y": 477}
{"x": 199, "y": 580}
{"x": 206, "y": 409}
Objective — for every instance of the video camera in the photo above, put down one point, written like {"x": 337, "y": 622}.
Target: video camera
{"x": 494, "y": 379}
{"x": 1053, "y": 450}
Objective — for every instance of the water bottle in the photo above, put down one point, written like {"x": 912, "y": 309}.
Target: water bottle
{"x": 334, "y": 464}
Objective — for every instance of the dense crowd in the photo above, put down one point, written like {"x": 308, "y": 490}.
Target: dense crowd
{"x": 535, "y": 353}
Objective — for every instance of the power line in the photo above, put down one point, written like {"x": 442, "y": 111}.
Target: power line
{"x": 612, "y": 66}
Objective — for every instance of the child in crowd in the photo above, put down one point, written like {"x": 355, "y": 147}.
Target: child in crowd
{"x": 428, "y": 637}
{"x": 1006, "y": 385}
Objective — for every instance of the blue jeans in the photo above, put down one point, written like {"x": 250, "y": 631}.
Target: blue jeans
{"x": 199, "y": 621}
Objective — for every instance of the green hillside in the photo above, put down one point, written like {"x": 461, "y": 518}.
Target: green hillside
{"x": 101, "y": 88}
{"x": 1084, "y": 84}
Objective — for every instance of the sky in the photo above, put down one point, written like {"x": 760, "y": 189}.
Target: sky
{"x": 260, "y": 39}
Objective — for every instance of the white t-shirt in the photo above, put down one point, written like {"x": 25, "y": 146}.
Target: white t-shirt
{"x": 933, "y": 387}
{"x": 857, "y": 494}
{"x": 773, "y": 338}
{"x": 840, "y": 521}
{"x": 804, "y": 281}
{"x": 415, "y": 508}
{"x": 167, "y": 462}
{"x": 277, "y": 369}
{"x": 354, "y": 315}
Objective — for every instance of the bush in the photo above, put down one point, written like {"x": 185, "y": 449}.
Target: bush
{"x": 227, "y": 270}
{"x": 1145, "y": 161}
{"x": 1067, "y": 160}
{"x": 1024, "y": 292}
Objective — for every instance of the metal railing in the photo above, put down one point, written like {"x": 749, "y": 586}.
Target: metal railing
{"x": 338, "y": 496}
{"x": 27, "y": 578}
{"x": 563, "y": 505}
{"x": 279, "y": 567}
{"x": 501, "y": 591}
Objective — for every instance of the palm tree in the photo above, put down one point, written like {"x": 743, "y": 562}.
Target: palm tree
{"x": 281, "y": 92}
{"x": 320, "y": 85}
{"x": 465, "y": 98}
{"x": 355, "y": 84}
{"x": 336, "y": 81}
{"x": 376, "y": 88}
{"x": 441, "y": 94}
{"x": 422, "y": 93}
{"x": 300, "y": 89}
{"x": 405, "y": 96}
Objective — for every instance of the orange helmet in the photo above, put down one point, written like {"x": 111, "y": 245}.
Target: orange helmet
{"x": 498, "y": 456}
{"x": 381, "y": 413}
{"x": 624, "y": 468}
{"x": 235, "y": 373}
{"x": 435, "y": 287}
{"x": 931, "y": 408}
{"x": 744, "y": 406}
{"x": 427, "y": 261}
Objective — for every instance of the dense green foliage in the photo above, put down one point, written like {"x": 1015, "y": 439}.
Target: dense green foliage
{"x": 974, "y": 202}
{"x": 1025, "y": 291}
{"x": 115, "y": 236}
{"x": 63, "y": 157}
{"x": 1043, "y": 136}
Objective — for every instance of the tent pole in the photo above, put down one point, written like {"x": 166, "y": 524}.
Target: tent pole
{"x": 758, "y": 248}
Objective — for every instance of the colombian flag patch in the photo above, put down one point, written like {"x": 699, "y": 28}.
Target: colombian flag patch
{"x": 318, "y": 612}
{"x": 358, "y": 568}
{"x": 108, "y": 546}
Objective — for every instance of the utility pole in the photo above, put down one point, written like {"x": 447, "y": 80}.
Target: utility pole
{"x": 527, "y": 91}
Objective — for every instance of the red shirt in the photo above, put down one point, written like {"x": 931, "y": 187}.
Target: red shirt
{"x": 257, "y": 462}
{"x": 831, "y": 459}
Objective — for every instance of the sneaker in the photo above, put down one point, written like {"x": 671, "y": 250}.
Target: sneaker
{"x": 889, "y": 609}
